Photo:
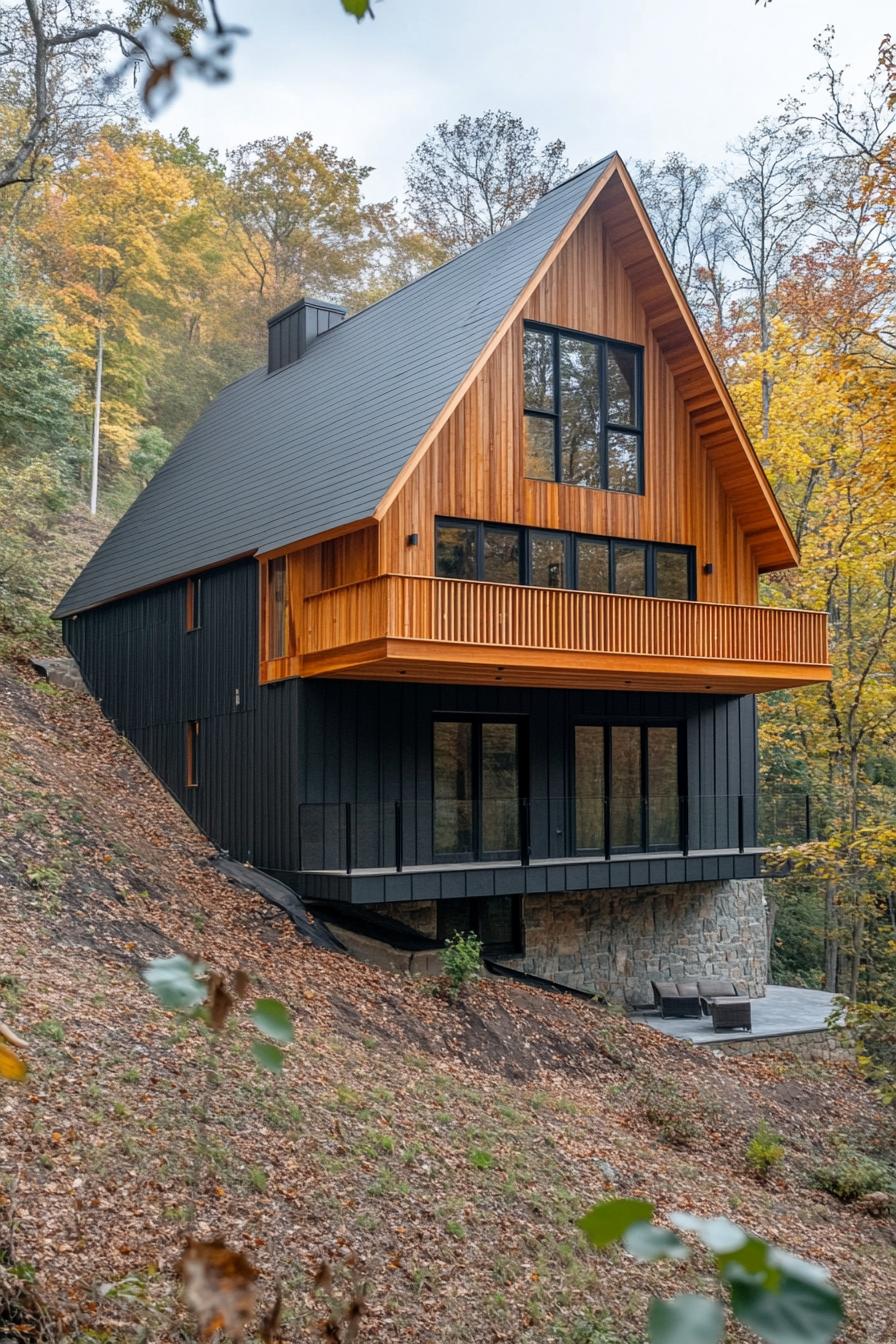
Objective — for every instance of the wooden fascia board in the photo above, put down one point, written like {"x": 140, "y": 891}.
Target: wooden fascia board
{"x": 343, "y": 530}
{"x": 716, "y": 378}
{"x": 495, "y": 339}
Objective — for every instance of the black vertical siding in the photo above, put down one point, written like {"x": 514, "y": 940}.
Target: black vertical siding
{"x": 277, "y": 763}
{"x": 370, "y": 743}
{"x": 152, "y": 677}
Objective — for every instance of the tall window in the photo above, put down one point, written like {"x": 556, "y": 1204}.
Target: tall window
{"x": 194, "y": 603}
{"x": 583, "y": 417}
{"x": 191, "y": 755}
{"x": 548, "y": 559}
{"x": 476, "y": 793}
{"x": 630, "y": 776}
{"x": 276, "y": 607}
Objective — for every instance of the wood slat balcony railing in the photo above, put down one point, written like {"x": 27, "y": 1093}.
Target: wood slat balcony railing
{"x": 408, "y": 625}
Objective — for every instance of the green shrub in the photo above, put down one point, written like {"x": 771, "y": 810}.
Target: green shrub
{"x": 852, "y": 1174}
{"x": 461, "y": 956}
{"x": 764, "y": 1151}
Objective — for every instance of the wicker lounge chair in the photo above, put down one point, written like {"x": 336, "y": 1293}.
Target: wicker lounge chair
{"x": 729, "y": 1010}
{"x": 672, "y": 1000}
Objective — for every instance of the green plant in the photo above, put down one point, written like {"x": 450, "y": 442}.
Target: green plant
{"x": 258, "y": 1179}
{"x": 764, "y": 1151}
{"x": 51, "y": 1029}
{"x": 852, "y": 1174}
{"x": 461, "y": 957}
{"x": 482, "y": 1160}
{"x": 782, "y": 1299}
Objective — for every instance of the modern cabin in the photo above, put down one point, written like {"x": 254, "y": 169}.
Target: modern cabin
{"x": 451, "y": 611}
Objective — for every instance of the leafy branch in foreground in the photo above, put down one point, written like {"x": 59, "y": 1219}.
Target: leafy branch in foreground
{"x": 190, "y": 988}
{"x": 781, "y": 1298}
{"x": 220, "y": 1283}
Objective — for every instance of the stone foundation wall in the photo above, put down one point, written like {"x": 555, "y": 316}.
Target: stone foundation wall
{"x": 614, "y": 942}
{"x": 822, "y": 1047}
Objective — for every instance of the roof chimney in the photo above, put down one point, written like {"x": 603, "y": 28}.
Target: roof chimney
{"x": 291, "y": 331}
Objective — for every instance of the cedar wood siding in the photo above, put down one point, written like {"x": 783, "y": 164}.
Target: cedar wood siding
{"x": 475, "y": 467}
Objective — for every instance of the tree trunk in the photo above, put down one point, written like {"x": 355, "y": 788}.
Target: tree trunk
{"x": 830, "y": 937}
{"x": 97, "y": 405}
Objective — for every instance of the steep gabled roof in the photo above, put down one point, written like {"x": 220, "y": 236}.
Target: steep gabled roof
{"x": 326, "y": 441}
{"x": 281, "y": 457}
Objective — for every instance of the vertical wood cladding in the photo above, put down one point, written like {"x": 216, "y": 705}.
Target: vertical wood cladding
{"x": 264, "y": 752}
{"x": 474, "y": 469}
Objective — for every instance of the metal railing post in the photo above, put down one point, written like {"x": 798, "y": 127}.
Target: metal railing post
{"x": 683, "y": 822}
{"x": 607, "y": 844}
{"x": 348, "y": 838}
{"x": 524, "y": 833}
{"x": 740, "y": 822}
{"x": 399, "y": 836}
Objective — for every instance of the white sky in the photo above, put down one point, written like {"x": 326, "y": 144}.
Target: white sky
{"x": 638, "y": 76}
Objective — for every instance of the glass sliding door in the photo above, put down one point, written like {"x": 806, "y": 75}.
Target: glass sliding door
{"x": 500, "y": 812}
{"x": 452, "y": 787}
{"x": 625, "y": 788}
{"x": 663, "y": 811}
{"x": 476, "y": 789}
{"x": 590, "y": 768}
{"x": 636, "y": 766}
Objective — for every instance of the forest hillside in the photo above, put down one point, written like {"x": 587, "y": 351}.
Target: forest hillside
{"x": 436, "y": 1155}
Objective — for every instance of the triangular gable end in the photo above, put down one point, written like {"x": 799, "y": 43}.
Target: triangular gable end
{"x": 713, "y": 415}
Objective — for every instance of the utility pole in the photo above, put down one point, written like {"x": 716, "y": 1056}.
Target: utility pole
{"x": 97, "y": 403}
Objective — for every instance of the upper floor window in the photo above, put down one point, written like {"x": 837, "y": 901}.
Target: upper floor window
{"x": 276, "y": 607}
{"x": 546, "y": 559}
{"x": 583, "y": 411}
{"x": 194, "y": 603}
{"x": 191, "y": 754}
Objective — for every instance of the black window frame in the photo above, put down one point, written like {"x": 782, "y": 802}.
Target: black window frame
{"x": 481, "y": 529}
{"x": 608, "y": 724}
{"x": 276, "y": 633}
{"x": 192, "y": 730}
{"x": 477, "y": 854}
{"x": 571, "y": 543}
{"x": 603, "y": 343}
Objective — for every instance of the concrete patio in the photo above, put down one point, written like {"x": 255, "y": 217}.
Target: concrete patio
{"x": 784, "y": 1011}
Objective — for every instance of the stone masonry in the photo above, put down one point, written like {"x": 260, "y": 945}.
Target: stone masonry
{"x": 614, "y": 942}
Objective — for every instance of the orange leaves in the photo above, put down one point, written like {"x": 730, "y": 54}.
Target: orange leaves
{"x": 11, "y": 1066}
{"x": 219, "y": 1288}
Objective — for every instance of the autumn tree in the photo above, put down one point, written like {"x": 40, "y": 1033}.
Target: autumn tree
{"x": 105, "y": 254}
{"x": 299, "y": 220}
{"x": 468, "y": 180}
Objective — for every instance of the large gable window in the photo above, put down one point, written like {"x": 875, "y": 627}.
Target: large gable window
{"x": 583, "y": 416}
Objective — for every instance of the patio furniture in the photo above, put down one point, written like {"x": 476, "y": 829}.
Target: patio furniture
{"x": 729, "y": 1010}
{"x": 672, "y": 1000}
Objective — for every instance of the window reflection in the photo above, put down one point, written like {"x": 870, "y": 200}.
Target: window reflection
{"x": 547, "y": 560}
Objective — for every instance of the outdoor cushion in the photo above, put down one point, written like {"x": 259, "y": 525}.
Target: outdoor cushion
{"x": 666, "y": 988}
{"x": 716, "y": 989}
{"x": 688, "y": 991}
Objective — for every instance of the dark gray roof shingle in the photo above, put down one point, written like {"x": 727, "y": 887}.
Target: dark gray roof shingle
{"x": 277, "y": 458}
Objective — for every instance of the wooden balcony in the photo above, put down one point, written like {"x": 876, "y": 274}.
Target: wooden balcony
{"x": 455, "y": 630}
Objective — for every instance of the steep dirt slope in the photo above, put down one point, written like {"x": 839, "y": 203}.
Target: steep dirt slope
{"x": 448, "y": 1148}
